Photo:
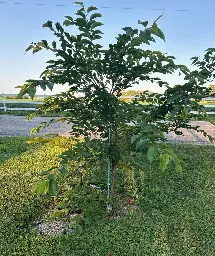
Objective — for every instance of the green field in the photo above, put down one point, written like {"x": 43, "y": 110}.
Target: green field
{"x": 19, "y": 104}
{"x": 175, "y": 217}
{"x": 11, "y": 99}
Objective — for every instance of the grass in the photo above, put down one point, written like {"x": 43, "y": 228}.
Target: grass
{"x": 23, "y": 100}
{"x": 23, "y": 112}
{"x": 18, "y": 112}
{"x": 176, "y": 214}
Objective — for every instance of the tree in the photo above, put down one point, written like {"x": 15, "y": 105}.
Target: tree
{"x": 212, "y": 89}
{"x": 132, "y": 93}
{"x": 102, "y": 74}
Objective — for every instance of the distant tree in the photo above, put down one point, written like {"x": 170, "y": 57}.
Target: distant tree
{"x": 212, "y": 89}
{"x": 132, "y": 93}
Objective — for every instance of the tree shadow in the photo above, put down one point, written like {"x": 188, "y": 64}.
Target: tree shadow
{"x": 13, "y": 146}
{"x": 183, "y": 204}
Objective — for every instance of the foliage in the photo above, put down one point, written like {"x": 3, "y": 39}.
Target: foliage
{"x": 212, "y": 89}
{"x": 101, "y": 75}
{"x": 172, "y": 219}
{"x": 132, "y": 93}
{"x": 15, "y": 97}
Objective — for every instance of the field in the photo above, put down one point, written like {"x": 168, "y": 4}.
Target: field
{"x": 14, "y": 103}
{"x": 175, "y": 217}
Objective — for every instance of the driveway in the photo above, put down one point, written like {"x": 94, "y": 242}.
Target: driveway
{"x": 20, "y": 126}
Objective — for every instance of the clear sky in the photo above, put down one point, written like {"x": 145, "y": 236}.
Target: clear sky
{"x": 188, "y": 33}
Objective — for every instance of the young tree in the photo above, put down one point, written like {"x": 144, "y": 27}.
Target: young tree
{"x": 102, "y": 74}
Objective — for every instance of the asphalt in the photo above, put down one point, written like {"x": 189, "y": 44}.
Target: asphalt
{"x": 19, "y": 126}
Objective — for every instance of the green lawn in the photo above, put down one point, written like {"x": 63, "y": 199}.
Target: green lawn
{"x": 176, "y": 216}
{"x": 23, "y": 112}
{"x": 23, "y": 100}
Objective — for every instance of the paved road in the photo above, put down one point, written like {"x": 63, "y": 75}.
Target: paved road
{"x": 20, "y": 126}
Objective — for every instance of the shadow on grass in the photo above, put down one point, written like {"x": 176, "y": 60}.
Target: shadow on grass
{"x": 182, "y": 205}
{"x": 13, "y": 146}
{"x": 177, "y": 215}
{"x": 20, "y": 166}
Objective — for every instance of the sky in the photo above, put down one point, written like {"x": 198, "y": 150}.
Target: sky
{"x": 188, "y": 33}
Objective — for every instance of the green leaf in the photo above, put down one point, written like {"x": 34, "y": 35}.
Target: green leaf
{"x": 35, "y": 130}
{"x": 154, "y": 29}
{"x": 63, "y": 169}
{"x": 152, "y": 153}
{"x": 31, "y": 91}
{"x": 43, "y": 43}
{"x": 67, "y": 23}
{"x": 129, "y": 31}
{"x": 63, "y": 45}
{"x": 173, "y": 98}
{"x": 194, "y": 59}
{"x": 54, "y": 44}
{"x": 144, "y": 23}
{"x": 48, "y": 24}
{"x": 91, "y": 8}
{"x": 95, "y": 15}
{"x": 41, "y": 187}
{"x": 145, "y": 36}
{"x": 29, "y": 48}
{"x": 97, "y": 37}
{"x": 79, "y": 3}
{"x": 96, "y": 24}
{"x": 81, "y": 21}
{"x": 161, "y": 83}
{"x": 69, "y": 18}
{"x": 36, "y": 49}
{"x": 164, "y": 160}
{"x": 59, "y": 27}
{"x": 50, "y": 86}
{"x": 53, "y": 186}
{"x": 43, "y": 87}
{"x": 81, "y": 13}
{"x": 184, "y": 114}
{"x": 134, "y": 138}
{"x": 97, "y": 31}
{"x": 158, "y": 18}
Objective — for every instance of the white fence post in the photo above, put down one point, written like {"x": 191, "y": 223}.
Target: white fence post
{"x": 4, "y": 102}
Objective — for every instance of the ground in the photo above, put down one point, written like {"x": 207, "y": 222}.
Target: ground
{"x": 175, "y": 215}
{"x": 20, "y": 126}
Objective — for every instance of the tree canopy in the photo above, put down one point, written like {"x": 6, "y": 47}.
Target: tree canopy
{"x": 102, "y": 75}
